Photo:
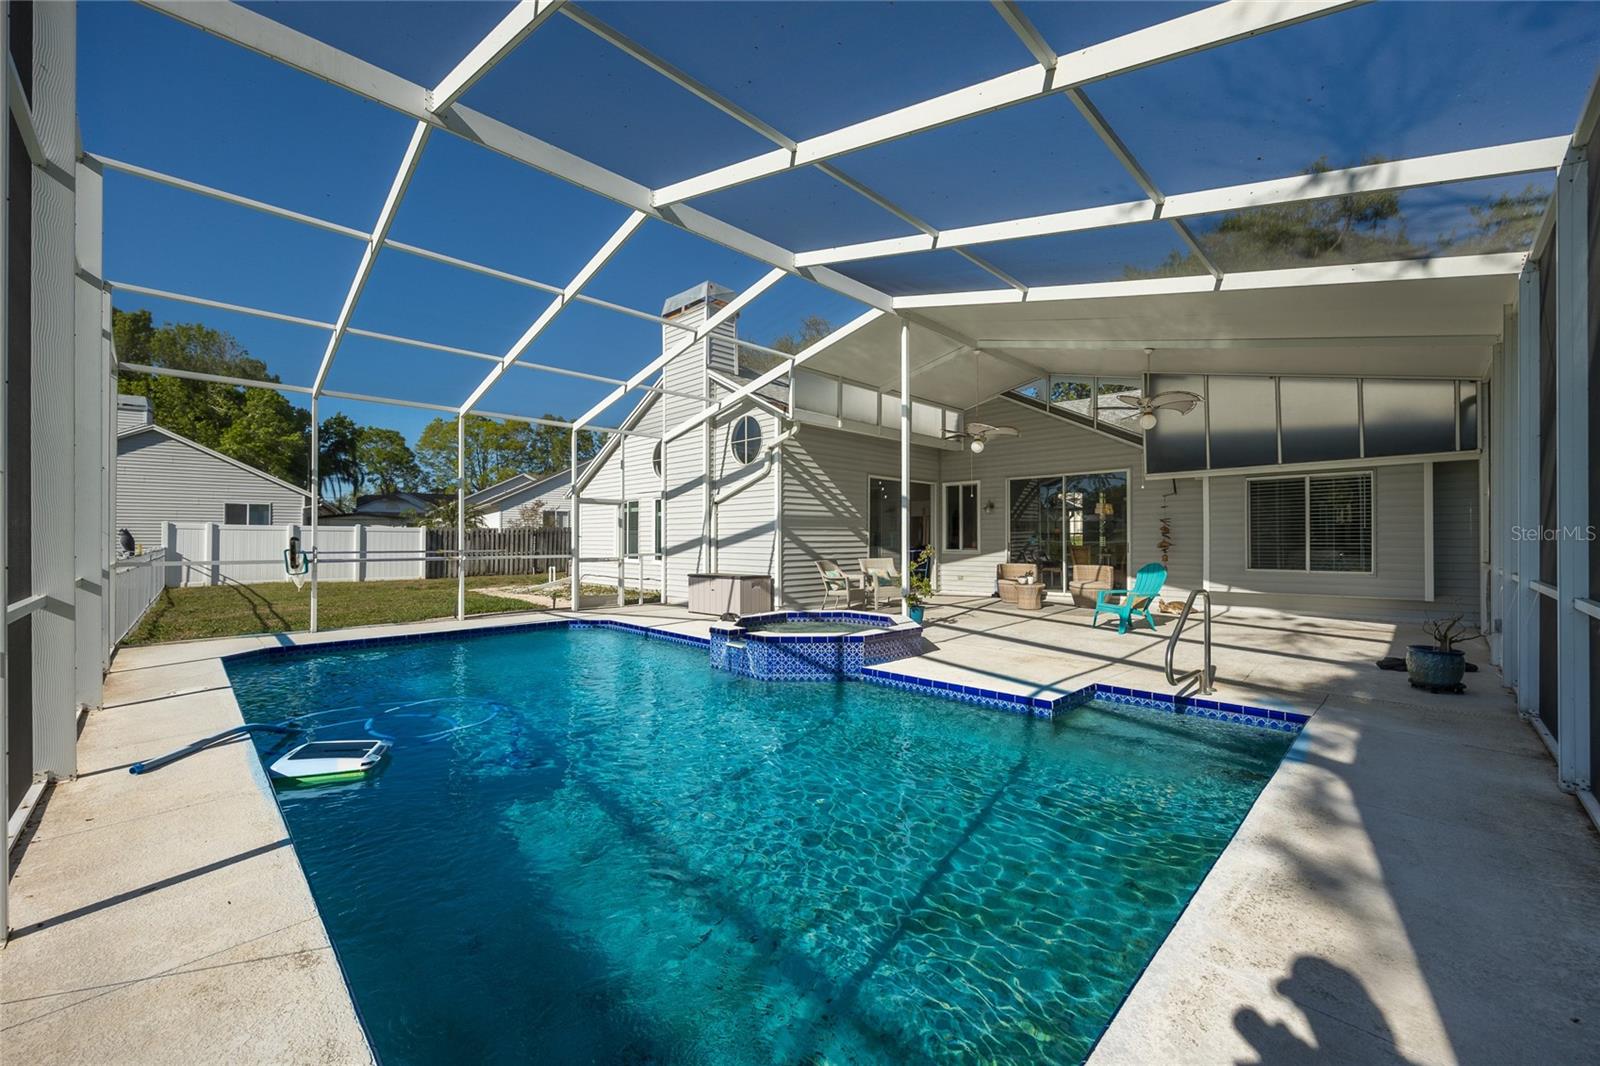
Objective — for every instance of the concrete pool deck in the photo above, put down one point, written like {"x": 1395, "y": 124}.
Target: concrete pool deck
{"x": 1411, "y": 886}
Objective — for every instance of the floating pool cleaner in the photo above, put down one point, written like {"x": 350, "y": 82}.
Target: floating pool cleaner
{"x": 321, "y": 761}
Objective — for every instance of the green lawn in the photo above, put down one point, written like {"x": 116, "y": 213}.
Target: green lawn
{"x": 275, "y": 607}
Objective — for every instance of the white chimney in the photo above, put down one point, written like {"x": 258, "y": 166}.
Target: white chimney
{"x": 692, "y": 307}
{"x": 133, "y": 412}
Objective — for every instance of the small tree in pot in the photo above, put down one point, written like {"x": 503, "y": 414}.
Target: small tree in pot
{"x": 1439, "y": 667}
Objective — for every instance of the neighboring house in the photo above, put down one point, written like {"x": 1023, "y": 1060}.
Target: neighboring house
{"x": 505, "y": 504}
{"x": 1394, "y": 534}
{"x": 388, "y": 509}
{"x": 165, "y": 477}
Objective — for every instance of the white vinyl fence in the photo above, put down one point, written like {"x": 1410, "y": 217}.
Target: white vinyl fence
{"x": 216, "y": 554}
{"x": 135, "y": 584}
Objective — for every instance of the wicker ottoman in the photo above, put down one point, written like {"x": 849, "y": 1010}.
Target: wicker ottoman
{"x": 1030, "y": 597}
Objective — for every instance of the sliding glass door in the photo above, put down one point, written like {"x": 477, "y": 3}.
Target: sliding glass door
{"x": 883, "y": 517}
{"x": 1073, "y": 526}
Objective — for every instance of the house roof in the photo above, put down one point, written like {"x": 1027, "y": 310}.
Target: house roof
{"x": 181, "y": 439}
{"x": 522, "y": 483}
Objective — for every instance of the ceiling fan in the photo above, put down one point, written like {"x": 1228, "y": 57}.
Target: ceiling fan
{"x": 1147, "y": 406}
{"x": 978, "y": 434}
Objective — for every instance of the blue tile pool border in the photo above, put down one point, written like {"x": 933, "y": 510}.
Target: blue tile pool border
{"x": 1043, "y": 706}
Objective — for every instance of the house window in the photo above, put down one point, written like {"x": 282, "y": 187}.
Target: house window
{"x": 1321, "y": 523}
{"x": 746, "y": 439}
{"x": 961, "y": 517}
{"x": 883, "y": 516}
{"x": 659, "y": 541}
{"x": 247, "y": 514}
{"x": 655, "y": 460}
{"x": 630, "y": 528}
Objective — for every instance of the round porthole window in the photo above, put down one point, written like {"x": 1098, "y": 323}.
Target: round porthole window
{"x": 746, "y": 439}
{"x": 655, "y": 460}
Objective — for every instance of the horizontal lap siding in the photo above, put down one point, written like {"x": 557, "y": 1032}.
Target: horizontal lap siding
{"x": 161, "y": 480}
{"x": 743, "y": 525}
{"x": 1397, "y": 553}
{"x": 825, "y": 474}
{"x": 1050, "y": 446}
{"x": 626, "y": 474}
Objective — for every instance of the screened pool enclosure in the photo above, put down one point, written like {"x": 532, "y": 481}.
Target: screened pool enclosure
{"x": 1359, "y": 232}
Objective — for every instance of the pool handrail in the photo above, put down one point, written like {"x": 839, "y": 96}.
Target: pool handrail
{"x": 1206, "y": 673}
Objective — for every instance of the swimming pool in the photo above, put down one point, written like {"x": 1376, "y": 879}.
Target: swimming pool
{"x": 591, "y": 847}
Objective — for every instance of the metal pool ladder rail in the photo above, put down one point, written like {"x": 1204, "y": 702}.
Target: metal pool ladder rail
{"x": 1206, "y": 674}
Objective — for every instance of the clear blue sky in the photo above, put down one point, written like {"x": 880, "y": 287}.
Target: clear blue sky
{"x": 1394, "y": 79}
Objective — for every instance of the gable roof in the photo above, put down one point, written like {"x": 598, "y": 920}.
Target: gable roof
{"x": 197, "y": 446}
{"x": 519, "y": 483}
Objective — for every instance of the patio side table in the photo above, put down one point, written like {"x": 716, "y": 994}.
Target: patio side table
{"x": 1030, "y": 597}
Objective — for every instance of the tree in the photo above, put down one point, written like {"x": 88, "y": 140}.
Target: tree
{"x": 1354, "y": 228}
{"x": 387, "y": 462}
{"x": 339, "y": 454}
{"x": 269, "y": 435}
{"x": 442, "y": 515}
{"x": 255, "y": 426}
{"x": 496, "y": 450}
{"x": 812, "y": 329}
{"x": 530, "y": 516}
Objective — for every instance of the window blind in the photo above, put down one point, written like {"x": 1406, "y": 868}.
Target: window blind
{"x": 1340, "y": 512}
{"x": 1277, "y": 524}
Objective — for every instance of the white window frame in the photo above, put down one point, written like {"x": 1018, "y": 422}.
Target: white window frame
{"x": 247, "y": 506}
{"x": 944, "y": 517}
{"x": 733, "y": 431}
{"x": 1127, "y": 475}
{"x": 1372, "y": 524}
{"x": 630, "y": 529}
{"x": 933, "y": 505}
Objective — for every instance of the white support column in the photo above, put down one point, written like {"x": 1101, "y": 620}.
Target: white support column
{"x": 1508, "y": 494}
{"x": 5, "y": 517}
{"x": 777, "y": 525}
{"x": 622, "y": 523}
{"x": 316, "y": 505}
{"x": 91, "y": 523}
{"x": 905, "y": 464}
{"x": 573, "y": 523}
{"x": 1491, "y": 477}
{"x": 1527, "y": 516}
{"x": 1572, "y": 471}
{"x": 661, "y": 539}
{"x": 461, "y": 517}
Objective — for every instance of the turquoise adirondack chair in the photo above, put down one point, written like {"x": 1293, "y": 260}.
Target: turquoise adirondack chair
{"x": 1146, "y": 587}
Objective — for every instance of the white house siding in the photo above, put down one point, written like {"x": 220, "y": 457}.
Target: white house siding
{"x": 600, "y": 531}
{"x": 162, "y": 480}
{"x": 743, "y": 526}
{"x": 825, "y": 476}
{"x": 1396, "y": 587}
{"x": 686, "y": 459}
{"x": 1047, "y": 446}
{"x": 506, "y": 512}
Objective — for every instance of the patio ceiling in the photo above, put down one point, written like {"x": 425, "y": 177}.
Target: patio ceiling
{"x": 1058, "y": 187}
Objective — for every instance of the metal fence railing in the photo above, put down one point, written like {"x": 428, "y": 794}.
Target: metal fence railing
{"x": 135, "y": 584}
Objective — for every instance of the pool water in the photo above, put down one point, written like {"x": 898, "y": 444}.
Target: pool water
{"x": 587, "y": 846}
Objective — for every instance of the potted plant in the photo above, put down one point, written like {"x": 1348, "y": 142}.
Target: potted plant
{"x": 1439, "y": 667}
{"x": 920, "y": 586}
